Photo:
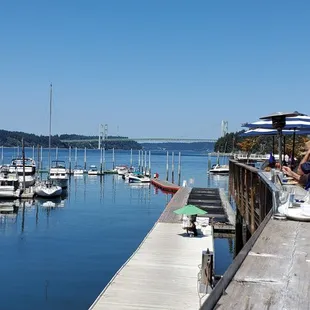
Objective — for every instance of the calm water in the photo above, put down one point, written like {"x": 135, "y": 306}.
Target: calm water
{"x": 60, "y": 254}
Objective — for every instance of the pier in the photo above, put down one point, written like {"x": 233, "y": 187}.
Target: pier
{"x": 164, "y": 271}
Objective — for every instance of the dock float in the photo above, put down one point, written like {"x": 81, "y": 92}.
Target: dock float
{"x": 162, "y": 272}
{"x": 165, "y": 185}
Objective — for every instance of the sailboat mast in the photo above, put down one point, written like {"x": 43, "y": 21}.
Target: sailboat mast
{"x": 50, "y": 128}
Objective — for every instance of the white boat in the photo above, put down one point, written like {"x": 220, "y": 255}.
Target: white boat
{"x": 219, "y": 169}
{"x": 47, "y": 189}
{"x": 58, "y": 173}
{"x": 9, "y": 184}
{"x": 30, "y": 170}
{"x": 78, "y": 170}
{"x": 138, "y": 178}
{"x": 121, "y": 170}
{"x": 92, "y": 170}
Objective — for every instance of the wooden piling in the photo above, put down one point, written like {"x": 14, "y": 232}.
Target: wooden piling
{"x": 167, "y": 167}
{"x": 179, "y": 170}
{"x": 150, "y": 173}
{"x": 130, "y": 157}
{"x": 33, "y": 152}
{"x": 145, "y": 156}
{"x": 56, "y": 151}
{"x": 172, "y": 167}
{"x": 113, "y": 159}
{"x": 38, "y": 157}
{"x": 101, "y": 161}
{"x": 139, "y": 161}
{"x": 142, "y": 162}
{"x": 85, "y": 159}
{"x": 2, "y": 157}
{"x": 24, "y": 173}
{"x": 75, "y": 159}
{"x": 69, "y": 159}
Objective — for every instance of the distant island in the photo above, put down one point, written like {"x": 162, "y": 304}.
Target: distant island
{"x": 14, "y": 138}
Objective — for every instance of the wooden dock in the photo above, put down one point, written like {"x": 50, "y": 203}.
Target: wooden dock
{"x": 162, "y": 273}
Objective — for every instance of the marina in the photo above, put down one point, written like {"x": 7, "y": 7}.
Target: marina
{"x": 94, "y": 227}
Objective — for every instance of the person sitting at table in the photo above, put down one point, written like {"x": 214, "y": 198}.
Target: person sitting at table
{"x": 304, "y": 178}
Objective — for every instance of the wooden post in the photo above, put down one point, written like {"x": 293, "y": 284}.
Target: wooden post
{"x": 113, "y": 159}
{"x": 33, "y": 152}
{"x": 85, "y": 159}
{"x": 172, "y": 167}
{"x": 38, "y": 157}
{"x": 179, "y": 170}
{"x": 41, "y": 157}
{"x": 130, "y": 158}
{"x": 2, "y": 157}
{"x": 150, "y": 164}
{"x": 142, "y": 162}
{"x": 238, "y": 233}
{"x": 75, "y": 159}
{"x": 17, "y": 150}
{"x": 69, "y": 159}
{"x": 24, "y": 174}
{"x": 145, "y": 155}
{"x": 104, "y": 161}
{"x": 167, "y": 167}
{"x": 101, "y": 161}
{"x": 56, "y": 155}
{"x": 139, "y": 162}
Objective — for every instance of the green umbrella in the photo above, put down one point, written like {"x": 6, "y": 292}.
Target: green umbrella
{"x": 190, "y": 210}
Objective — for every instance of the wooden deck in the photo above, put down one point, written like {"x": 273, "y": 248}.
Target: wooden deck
{"x": 165, "y": 185}
{"x": 276, "y": 272}
{"x": 161, "y": 274}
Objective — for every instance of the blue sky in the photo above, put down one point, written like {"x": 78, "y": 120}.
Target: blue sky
{"x": 162, "y": 68}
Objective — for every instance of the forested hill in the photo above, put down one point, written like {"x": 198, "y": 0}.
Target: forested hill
{"x": 14, "y": 138}
{"x": 179, "y": 146}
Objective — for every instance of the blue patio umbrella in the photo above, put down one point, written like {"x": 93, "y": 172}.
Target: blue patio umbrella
{"x": 281, "y": 124}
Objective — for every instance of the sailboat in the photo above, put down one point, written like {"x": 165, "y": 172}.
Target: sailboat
{"x": 47, "y": 188}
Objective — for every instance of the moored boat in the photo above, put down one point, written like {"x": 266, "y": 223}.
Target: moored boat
{"x": 93, "y": 170}
{"x": 30, "y": 170}
{"x": 219, "y": 169}
{"x": 58, "y": 173}
{"x": 9, "y": 183}
{"x": 138, "y": 178}
{"x": 47, "y": 189}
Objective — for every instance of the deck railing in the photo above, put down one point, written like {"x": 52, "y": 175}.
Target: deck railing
{"x": 255, "y": 195}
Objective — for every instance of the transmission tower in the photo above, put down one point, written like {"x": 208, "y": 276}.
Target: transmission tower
{"x": 224, "y": 128}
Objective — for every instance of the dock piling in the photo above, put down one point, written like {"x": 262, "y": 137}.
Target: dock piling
{"x": 41, "y": 157}
{"x": 172, "y": 167}
{"x": 85, "y": 159}
{"x": 150, "y": 174}
{"x": 69, "y": 159}
{"x": 179, "y": 170}
{"x": 145, "y": 155}
{"x": 139, "y": 161}
{"x": 130, "y": 157}
{"x": 2, "y": 155}
{"x": 33, "y": 152}
{"x": 113, "y": 159}
{"x": 167, "y": 167}
{"x": 56, "y": 155}
{"x": 75, "y": 156}
{"x": 101, "y": 161}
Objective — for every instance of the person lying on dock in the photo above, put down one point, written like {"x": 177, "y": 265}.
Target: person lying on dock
{"x": 304, "y": 178}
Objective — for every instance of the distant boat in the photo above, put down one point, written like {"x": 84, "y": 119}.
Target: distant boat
{"x": 93, "y": 170}
{"x": 219, "y": 169}
{"x": 78, "y": 170}
{"x": 138, "y": 178}
{"x": 58, "y": 173}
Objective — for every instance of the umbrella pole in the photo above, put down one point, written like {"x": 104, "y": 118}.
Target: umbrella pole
{"x": 280, "y": 146}
{"x": 293, "y": 150}
{"x": 284, "y": 144}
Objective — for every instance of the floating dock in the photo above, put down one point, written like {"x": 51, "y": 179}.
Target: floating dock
{"x": 162, "y": 273}
{"x": 165, "y": 185}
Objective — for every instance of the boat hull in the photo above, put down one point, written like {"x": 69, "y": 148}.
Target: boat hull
{"x": 44, "y": 191}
